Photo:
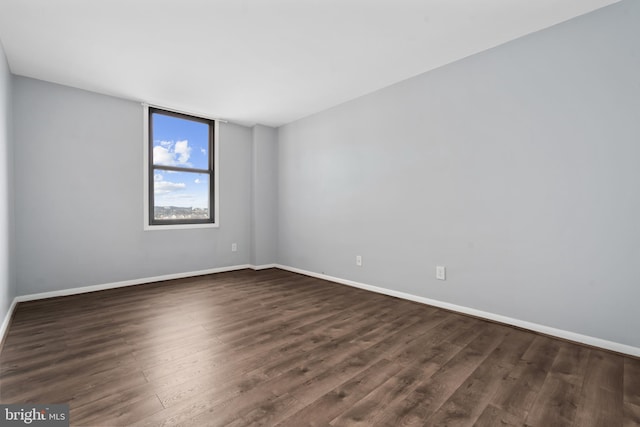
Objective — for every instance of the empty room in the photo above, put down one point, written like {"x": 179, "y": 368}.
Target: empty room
{"x": 328, "y": 213}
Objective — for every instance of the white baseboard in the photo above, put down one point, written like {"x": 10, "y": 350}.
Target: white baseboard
{"x": 547, "y": 330}
{"x": 141, "y": 281}
{"x": 4, "y": 328}
{"x": 263, "y": 266}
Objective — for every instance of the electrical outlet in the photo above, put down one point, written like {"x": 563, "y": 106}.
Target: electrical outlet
{"x": 359, "y": 260}
{"x": 441, "y": 272}
{"x": 234, "y": 247}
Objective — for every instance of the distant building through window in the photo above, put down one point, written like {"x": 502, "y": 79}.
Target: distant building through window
{"x": 181, "y": 168}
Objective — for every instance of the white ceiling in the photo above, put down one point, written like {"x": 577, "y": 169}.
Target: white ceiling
{"x": 257, "y": 61}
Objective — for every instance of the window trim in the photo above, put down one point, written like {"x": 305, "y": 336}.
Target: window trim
{"x": 150, "y": 225}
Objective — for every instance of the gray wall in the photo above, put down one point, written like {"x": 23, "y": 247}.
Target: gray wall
{"x": 79, "y": 195}
{"x": 264, "y": 231}
{"x": 517, "y": 168}
{"x": 7, "y": 282}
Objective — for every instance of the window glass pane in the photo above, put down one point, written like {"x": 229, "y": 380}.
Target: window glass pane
{"x": 180, "y": 195}
{"x": 180, "y": 142}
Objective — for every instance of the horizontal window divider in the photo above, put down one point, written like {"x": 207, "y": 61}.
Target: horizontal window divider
{"x": 181, "y": 169}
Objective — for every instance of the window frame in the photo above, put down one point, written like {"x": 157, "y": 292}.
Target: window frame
{"x": 150, "y": 223}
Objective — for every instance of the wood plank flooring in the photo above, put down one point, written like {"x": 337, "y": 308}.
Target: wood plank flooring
{"x": 278, "y": 348}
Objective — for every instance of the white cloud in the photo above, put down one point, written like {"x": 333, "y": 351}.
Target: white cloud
{"x": 183, "y": 151}
{"x": 197, "y": 181}
{"x": 203, "y": 151}
{"x": 165, "y": 187}
{"x": 169, "y": 153}
{"x": 162, "y": 156}
{"x": 185, "y": 194}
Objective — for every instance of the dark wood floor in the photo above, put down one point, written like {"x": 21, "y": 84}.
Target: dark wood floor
{"x": 277, "y": 348}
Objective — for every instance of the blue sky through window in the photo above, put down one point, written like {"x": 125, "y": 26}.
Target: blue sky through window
{"x": 183, "y": 143}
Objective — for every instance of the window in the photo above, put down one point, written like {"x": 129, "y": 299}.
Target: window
{"x": 181, "y": 172}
